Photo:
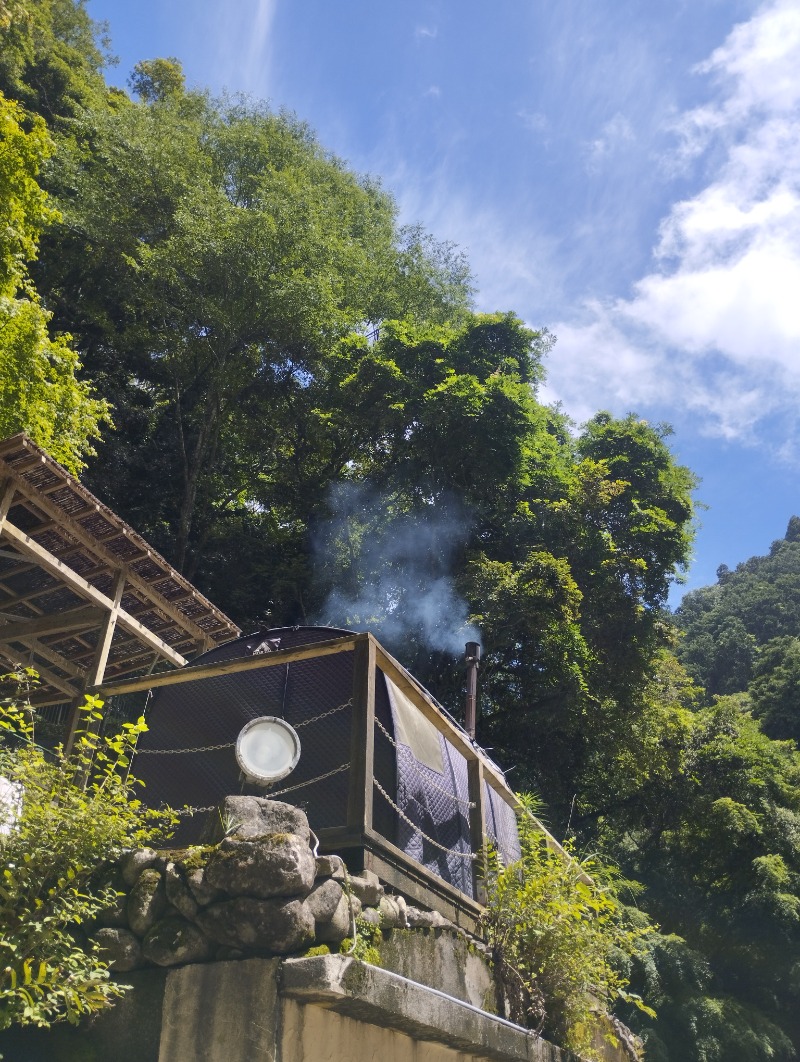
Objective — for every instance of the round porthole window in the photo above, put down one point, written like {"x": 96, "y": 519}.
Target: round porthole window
{"x": 267, "y": 749}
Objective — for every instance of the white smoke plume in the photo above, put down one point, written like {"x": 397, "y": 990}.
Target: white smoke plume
{"x": 391, "y": 572}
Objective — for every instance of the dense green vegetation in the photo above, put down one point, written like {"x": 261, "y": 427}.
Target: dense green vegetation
{"x": 311, "y": 421}
{"x": 71, "y": 815}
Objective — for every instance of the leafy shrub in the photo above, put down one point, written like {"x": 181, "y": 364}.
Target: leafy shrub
{"x": 555, "y": 926}
{"x": 61, "y": 820}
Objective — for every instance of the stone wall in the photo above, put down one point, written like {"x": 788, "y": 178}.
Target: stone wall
{"x": 329, "y": 1008}
{"x": 255, "y": 888}
{"x": 232, "y": 951}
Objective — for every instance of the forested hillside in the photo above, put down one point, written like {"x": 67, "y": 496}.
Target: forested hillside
{"x": 311, "y": 421}
{"x": 743, "y": 634}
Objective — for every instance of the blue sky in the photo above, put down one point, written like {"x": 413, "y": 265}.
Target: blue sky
{"x": 625, "y": 173}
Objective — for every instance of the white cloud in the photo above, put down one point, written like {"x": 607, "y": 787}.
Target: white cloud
{"x": 615, "y": 134}
{"x": 426, "y": 32}
{"x": 716, "y": 326}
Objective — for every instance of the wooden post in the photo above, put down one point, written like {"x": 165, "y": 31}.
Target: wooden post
{"x": 362, "y": 736}
{"x": 477, "y": 825}
{"x": 97, "y": 668}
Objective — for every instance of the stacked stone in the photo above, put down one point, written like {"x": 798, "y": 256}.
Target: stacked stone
{"x": 254, "y": 889}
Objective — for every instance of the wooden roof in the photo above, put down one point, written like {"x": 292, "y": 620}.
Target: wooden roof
{"x": 83, "y": 597}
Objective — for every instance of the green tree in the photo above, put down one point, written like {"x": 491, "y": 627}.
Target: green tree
{"x": 52, "y": 58}
{"x": 775, "y": 688}
{"x": 558, "y": 931}
{"x": 221, "y": 255}
{"x": 40, "y": 392}
{"x": 724, "y": 626}
{"x": 704, "y": 810}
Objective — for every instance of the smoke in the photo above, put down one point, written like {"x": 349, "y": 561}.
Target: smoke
{"x": 391, "y": 572}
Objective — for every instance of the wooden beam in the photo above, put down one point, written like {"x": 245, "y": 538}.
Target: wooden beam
{"x": 6, "y": 554}
{"x": 97, "y": 667}
{"x": 98, "y": 548}
{"x": 44, "y": 673}
{"x": 61, "y": 662}
{"x": 477, "y": 826}
{"x": 80, "y": 586}
{"x": 78, "y": 619}
{"x": 8, "y": 491}
{"x": 362, "y": 735}
{"x": 40, "y": 612}
{"x": 225, "y": 667}
{"x": 31, "y": 595}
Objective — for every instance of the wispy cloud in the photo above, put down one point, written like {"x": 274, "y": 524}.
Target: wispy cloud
{"x": 715, "y": 327}
{"x": 615, "y": 134}
{"x": 244, "y": 44}
{"x": 426, "y": 32}
{"x": 515, "y": 261}
{"x": 535, "y": 121}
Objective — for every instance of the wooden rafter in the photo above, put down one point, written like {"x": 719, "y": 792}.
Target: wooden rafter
{"x": 79, "y": 619}
{"x": 85, "y": 589}
{"x": 83, "y": 597}
{"x": 99, "y": 546}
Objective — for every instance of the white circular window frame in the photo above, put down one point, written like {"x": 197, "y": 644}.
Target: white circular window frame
{"x": 253, "y": 774}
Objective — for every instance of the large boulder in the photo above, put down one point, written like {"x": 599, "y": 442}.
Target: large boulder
{"x": 249, "y": 818}
{"x": 179, "y": 893}
{"x": 275, "y": 865}
{"x": 324, "y": 899}
{"x": 333, "y": 910}
{"x": 134, "y": 862}
{"x": 174, "y": 941}
{"x": 278, "y": 926}
{"x": 119, "y": 948}
{"x": 201, "y": 891}
{"x": 147, "y": 901}
{"x": 366, "y": 887}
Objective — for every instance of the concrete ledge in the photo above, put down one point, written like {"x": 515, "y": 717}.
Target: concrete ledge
{"x": 380, "y": 997}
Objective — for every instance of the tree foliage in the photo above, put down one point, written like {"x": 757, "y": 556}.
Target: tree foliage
{"x": 558, "y": 931}
{"x": 221, "y": 255}
{"x": 40, "y": 391}
{"x": 726, "y": 625}
{"x": 61, "y": 821}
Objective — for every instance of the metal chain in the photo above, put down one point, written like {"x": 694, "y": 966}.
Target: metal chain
{"x": 426, "y": 782}
{"x": 174, "y": 752}
{"x": 320, "y": 778}
{"x": 196, "y": 811}
{"x": 416, "y": 829}
{"x": 280, "y": 792}
{"x": 324, "y": 715}
{"x": 230, "y": 744}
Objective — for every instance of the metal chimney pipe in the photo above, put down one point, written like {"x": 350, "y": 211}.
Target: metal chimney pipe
{"x": 472, "y": 658}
